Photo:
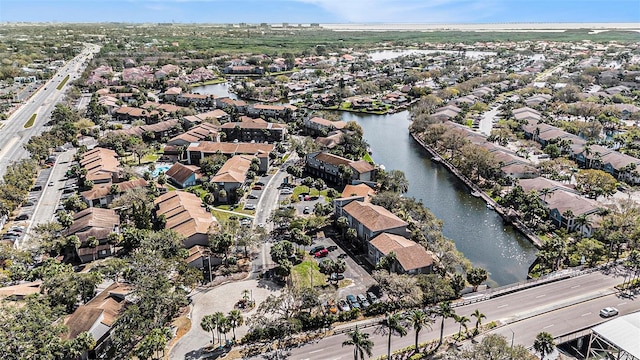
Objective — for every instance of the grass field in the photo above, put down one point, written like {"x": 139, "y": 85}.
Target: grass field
{"x": 303, "y": 273}
{"x": 64, "y": 81}
{"x": 31, "y": 121}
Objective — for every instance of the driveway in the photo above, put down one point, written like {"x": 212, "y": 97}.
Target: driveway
{"x": 221, "y": 298}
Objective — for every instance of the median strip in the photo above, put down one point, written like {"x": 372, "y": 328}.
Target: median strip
{"x": 31, "y": 121}
{"x": 64, "y": 81}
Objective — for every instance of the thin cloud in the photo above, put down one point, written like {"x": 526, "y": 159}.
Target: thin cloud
{"x": 417, "y": 11}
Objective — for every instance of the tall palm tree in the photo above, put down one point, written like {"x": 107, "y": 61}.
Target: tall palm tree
{"x": 207, "y": 324}
{"x": 235, "y": 319}
{"x": 218, "y": 320}
{"x": 479, "y": 316}
{"x": 445, "y": 311}
{"x": 419, "y": 320}
{"x": 360, "y": 342}
{"x": 581, "y": 221}
{"x": 392, "y": 325}
{"x": 462, "y": 321}
{"x": 543, "y": 344}
{"x": 544, "y": 192}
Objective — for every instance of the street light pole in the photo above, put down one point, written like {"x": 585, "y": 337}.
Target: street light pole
{"x": 513, "y": 335}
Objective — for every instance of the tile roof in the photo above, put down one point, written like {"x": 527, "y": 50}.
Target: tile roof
{"x": 358, "y": 190}
{"x": 93, "y": 218}
{"x": 180, "y": 173}
{"x": 184, "y": 213}
{"x": 409, "y": 254}
{"x": 373, "y": 217}
{"x": 328, "y": 123}
{"x": 231, "y": 148}
{"x": 102, "y": 190}
{"x": 102, "y": 309}
{"x": 234, "y": 170}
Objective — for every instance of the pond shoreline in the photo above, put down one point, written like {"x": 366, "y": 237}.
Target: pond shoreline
{"x": 524, "y": 230}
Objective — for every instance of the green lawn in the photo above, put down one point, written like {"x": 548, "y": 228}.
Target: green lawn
{"x": 209, "y": 82}
{"x": 303, "y": 273}
{"x": 30, "y": 122}
{"x": 222, "y": 216}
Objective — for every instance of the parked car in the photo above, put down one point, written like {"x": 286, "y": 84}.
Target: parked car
{"x": 251, "y": 196}
{"x": 306, "y": 210}
{"x": 608, "y": 312}
{"x": 257, "y": 187}
{"x": 343, "y": 305}
{"x": 322, "y": 253}
{"x": 342, "y": 256}
{"x": 363, "y": 300}
{"x": 331, "y": 307}
{"x": 249, "y": 206}
{"x": 315, "y": 249}
{"x": 286, "y": 191}
{"x": 332, "y": 248}
{"x": 372, "y": 297}
{"x": 22, "y": 217}
{"x": 353, "y": 302}
{"x": 336, "y": 277}
{"x": 259, "y": 183}
{"x": 50, "y": 183}
{"x": 29, "y": 203}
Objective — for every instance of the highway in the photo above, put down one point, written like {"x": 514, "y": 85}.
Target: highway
{"x": 557, "y": 308}
{"x": 13, "y": 134}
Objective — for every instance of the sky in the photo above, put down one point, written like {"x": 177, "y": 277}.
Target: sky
{"x": 321, "y": 11}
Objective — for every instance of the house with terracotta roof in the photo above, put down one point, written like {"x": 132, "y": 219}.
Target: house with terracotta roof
{"x": 97, "y": 317}
{"x": 411, "y": 257}
{"x": 282, "y": 112}
{"x": 102, "y": 165}
{"x": 360, "y": 190}
{"x": 184, "y": 214}
{"x": 328, "y": 166}
{"x": 202, "y": 149}
{"x": 370, "y": 220}
{"x": 98, "y": 223}
{"x": 183, "y": 175}
{"x": 201, "y": 132}
{"x": 213, "y": 116}
{"x": 130, "y": 114}
{"x": 256, "y": 130}
{"x": 102, "y": 195}
{"x": 233, "y": 174}
{"x": 526, "y": 113}
{"x": 318, "y": 125}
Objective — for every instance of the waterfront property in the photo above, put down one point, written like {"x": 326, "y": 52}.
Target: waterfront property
{"x": 411, "y": 258}
{"x": 333, "y": 168}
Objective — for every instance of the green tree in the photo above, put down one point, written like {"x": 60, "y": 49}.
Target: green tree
{"x": 235, "y": 319}
{"x": 479, "y": 316}
{"x": 543, "y": 344}
{"x": 419, "y": 320}
{"x": 392, "y": 324}
{"x": 445, "y": 311}
{"x": 360, "y": 342}
{"x": 477, "y": 276}
{"x": 207, "y": 323}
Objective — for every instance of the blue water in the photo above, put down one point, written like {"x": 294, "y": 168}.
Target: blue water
{"x": 160, "y": 169}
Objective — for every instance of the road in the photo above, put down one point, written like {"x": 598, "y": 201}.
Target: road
{"x": 13, "y": 135}
{"x": 557, "y": 308}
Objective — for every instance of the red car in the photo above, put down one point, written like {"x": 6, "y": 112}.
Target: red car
{"x": 322, "y": 253}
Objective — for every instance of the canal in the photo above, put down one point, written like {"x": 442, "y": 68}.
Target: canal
{"x": 479, "y": 233}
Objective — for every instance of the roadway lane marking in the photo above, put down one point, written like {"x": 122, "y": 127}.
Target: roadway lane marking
{"x": 548, "y": 326}
{"x": 539, "y": 296}
{"x": 576, "y": 286}
{"x": 622, "y": 303}
{"x": 587, "y": 314}
{"x": 315, "y": 351}
{"x": 501, "y": 306}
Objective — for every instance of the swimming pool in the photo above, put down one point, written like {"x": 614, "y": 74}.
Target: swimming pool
{"x": 160, "y": 169}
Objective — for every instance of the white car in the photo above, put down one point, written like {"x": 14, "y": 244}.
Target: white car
{"x": 286, "y": 191}
{"x": 608, "y": 312}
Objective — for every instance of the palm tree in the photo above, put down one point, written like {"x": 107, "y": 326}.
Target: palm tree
{"x": 387, "y": 262}
{"x": 418, "y": 320}
{"x": 462, "y": 321}
{"x": 445, "y": 311}
{"x": 544, "y": 192}
{"x": 235, "y": 319}
{"x": 207, "y": 324}
{"x": 218, "y": 320}
{"x": 361, "y": 343}
{"x": 543, "y": 344}
{"x": 581, "y": 221}
{"x": 479, "y": 316}
{"x": 392, "y": 325}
